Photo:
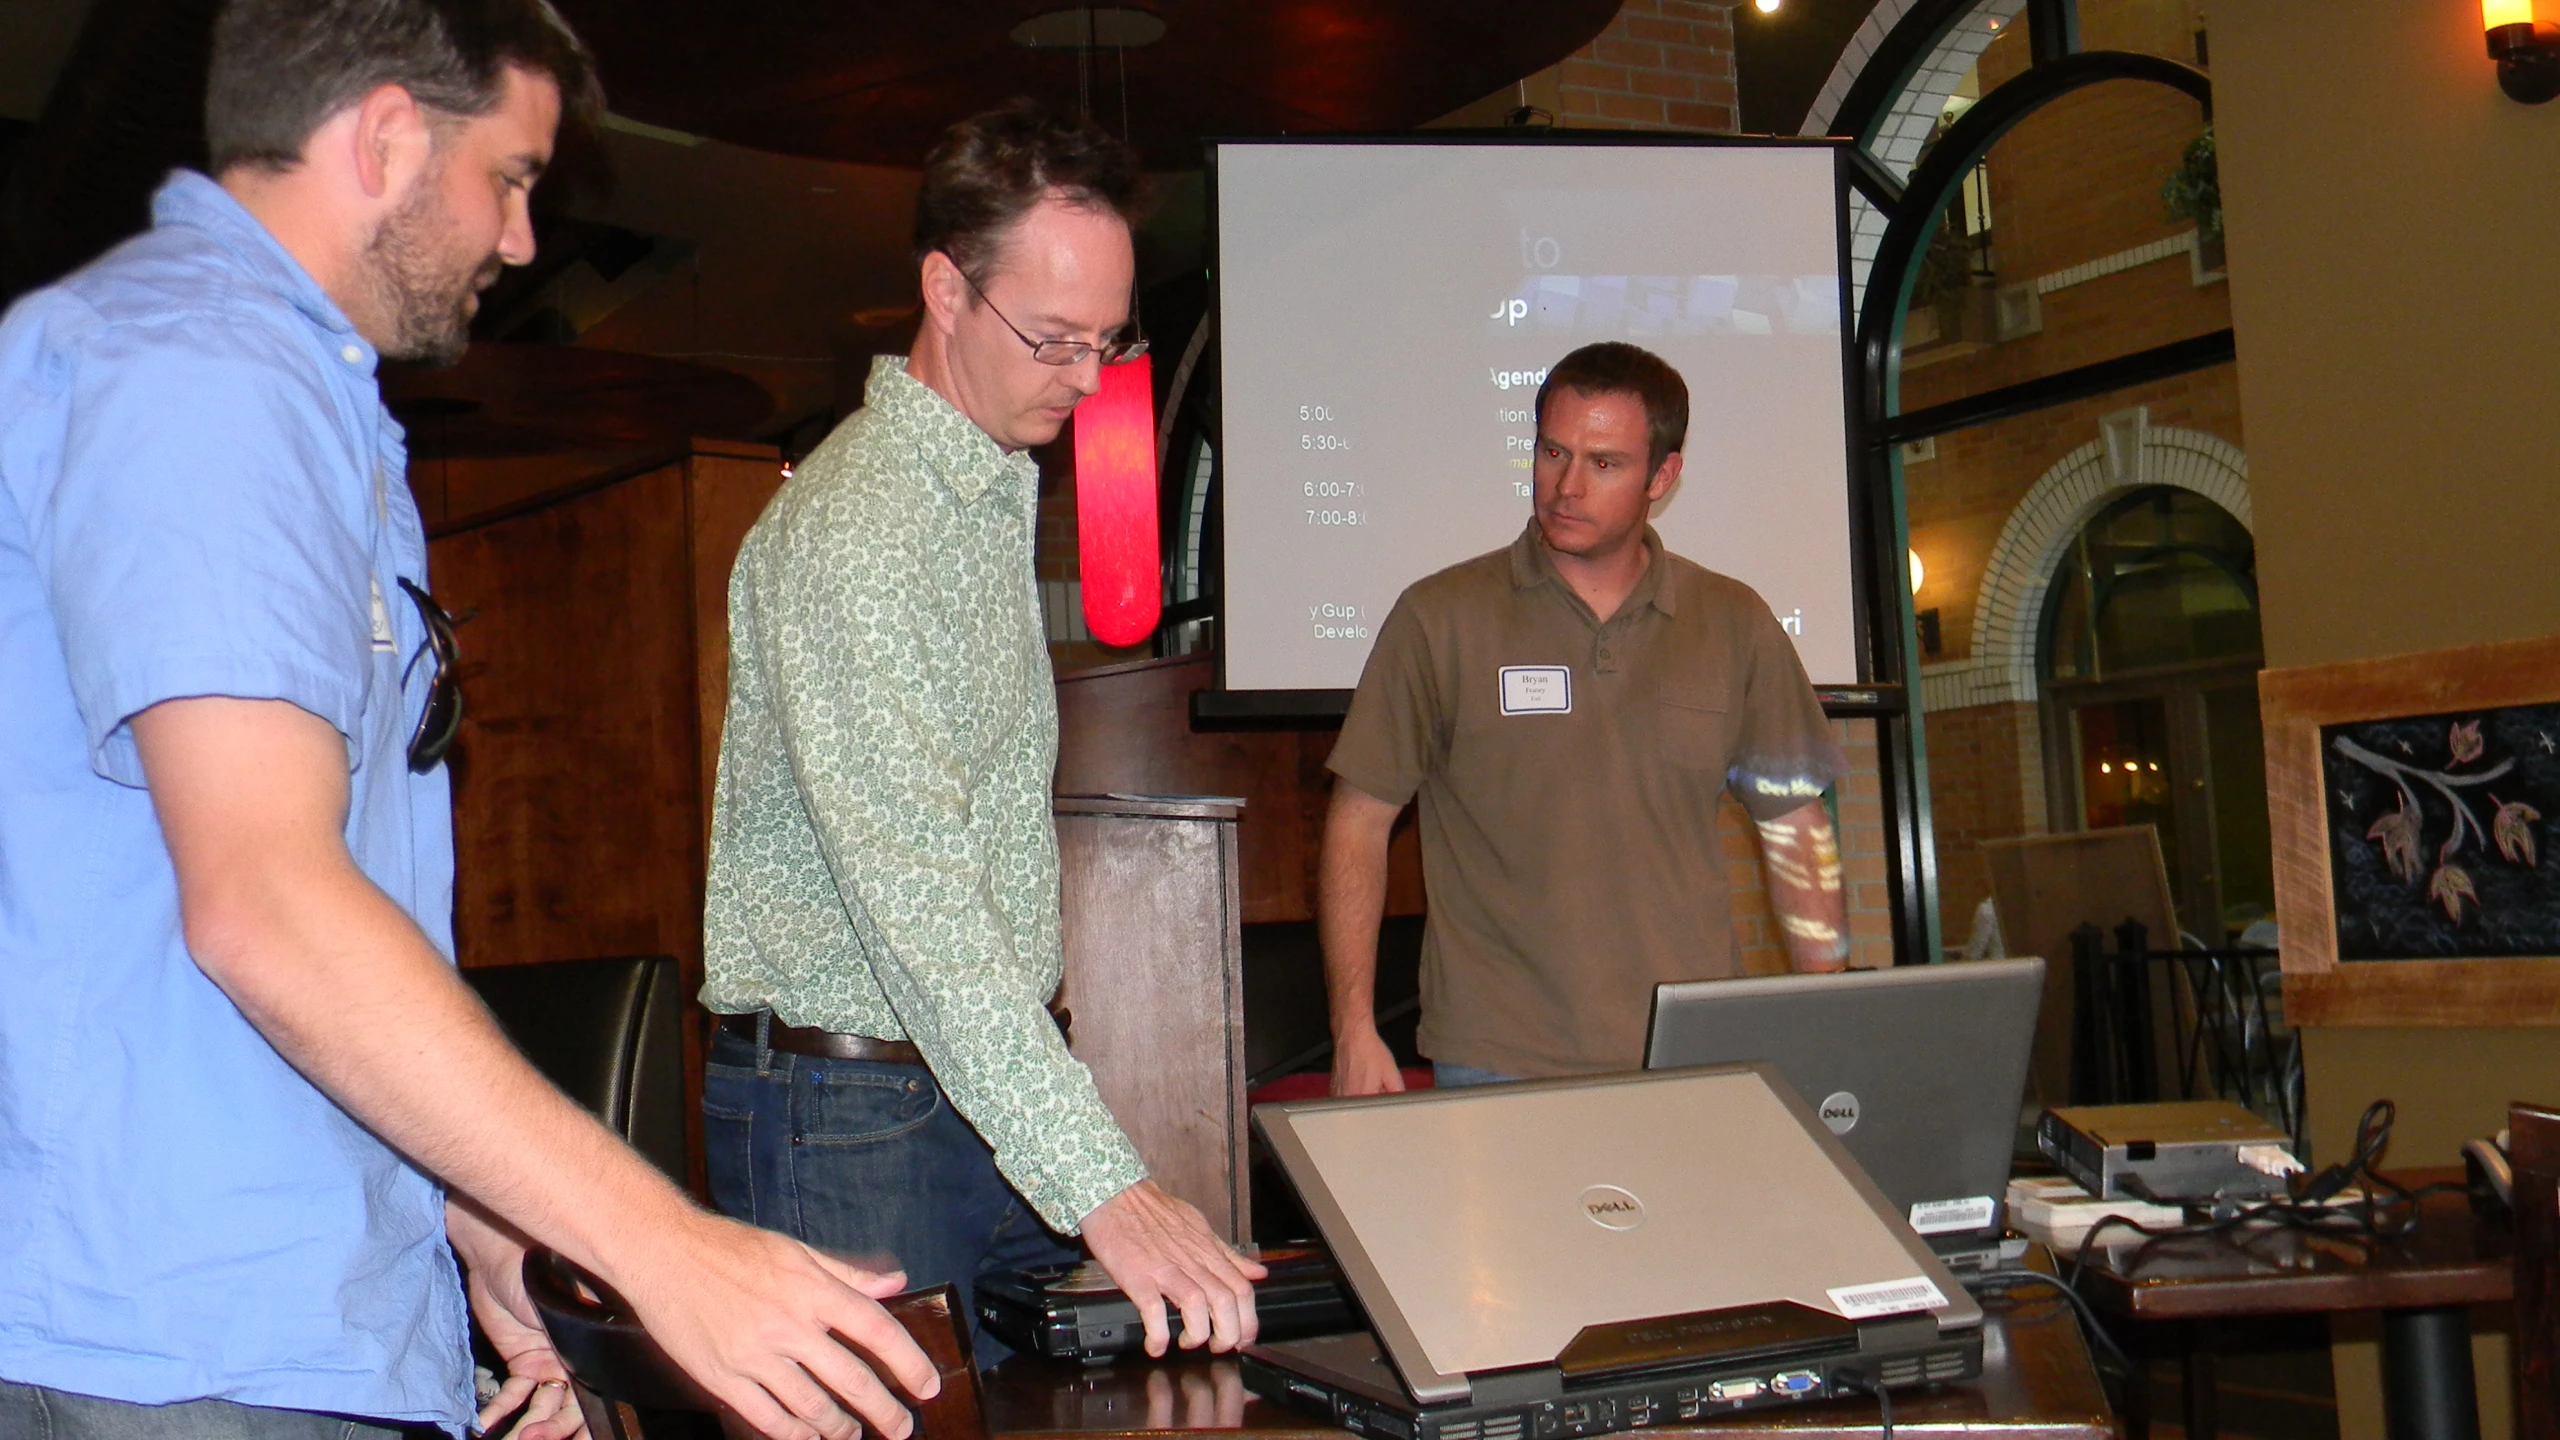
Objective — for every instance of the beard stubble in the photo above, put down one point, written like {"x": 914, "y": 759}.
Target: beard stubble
{"x": 420, "y": 287}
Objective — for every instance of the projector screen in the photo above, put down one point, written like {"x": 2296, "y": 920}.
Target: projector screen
{"x": 1386, "y": 311}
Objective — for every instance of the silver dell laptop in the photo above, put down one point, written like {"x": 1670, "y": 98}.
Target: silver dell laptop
{"x": 1920, "y": 1070}
{"x": 1574, "y": 1257}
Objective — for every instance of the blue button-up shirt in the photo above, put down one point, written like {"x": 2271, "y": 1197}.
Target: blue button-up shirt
{"x": 200, "y": 494}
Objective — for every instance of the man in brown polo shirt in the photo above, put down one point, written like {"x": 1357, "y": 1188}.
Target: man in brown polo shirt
{"x": 1569, "y": 709}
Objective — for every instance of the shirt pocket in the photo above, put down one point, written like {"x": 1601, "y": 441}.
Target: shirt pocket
{"x": 1693, "y": 729}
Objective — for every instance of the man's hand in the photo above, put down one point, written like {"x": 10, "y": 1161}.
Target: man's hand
{"x": 764, "y": 1322}
{"x": 1157, "y": 1249}
{"x": 1362, "y": 1064}
{"x": 493, "y": 1271}
{"x": 783, "y": 1371}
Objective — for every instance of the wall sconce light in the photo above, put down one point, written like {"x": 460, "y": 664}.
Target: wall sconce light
{"x": 1918, "y": 572}
{"x": 2527, "y": 50}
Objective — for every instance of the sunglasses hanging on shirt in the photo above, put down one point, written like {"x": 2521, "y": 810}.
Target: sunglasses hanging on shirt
{"x": 442, "y": 718}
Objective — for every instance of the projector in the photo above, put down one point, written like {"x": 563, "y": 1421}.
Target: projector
{"x": 2196, "y": 1150}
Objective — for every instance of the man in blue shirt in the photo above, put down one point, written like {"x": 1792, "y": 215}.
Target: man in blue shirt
{"x": 245, "y": 1101}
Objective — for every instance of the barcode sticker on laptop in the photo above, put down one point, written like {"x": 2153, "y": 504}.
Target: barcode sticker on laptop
{"x": 1887, "y": 1297}
{"x": 1938, "y": 1217}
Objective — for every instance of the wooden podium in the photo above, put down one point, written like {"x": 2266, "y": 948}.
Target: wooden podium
{"x": 1152, "y": 901}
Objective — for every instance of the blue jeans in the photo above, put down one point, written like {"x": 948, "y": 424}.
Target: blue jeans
{"x": 31, "y": 1412}
{"x": 1450, "y": 1077}
{"x": 867, "y": 1161}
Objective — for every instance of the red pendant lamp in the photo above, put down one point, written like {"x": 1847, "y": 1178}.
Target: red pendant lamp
{"x": 1116, "y": 505}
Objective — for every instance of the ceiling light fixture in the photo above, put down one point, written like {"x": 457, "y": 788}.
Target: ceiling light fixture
{"x": 2527, "y": 50}
{"x": 1077, "y": 28}
{"x": 1527, "y": 116}
{"x": 1765, "y": 7}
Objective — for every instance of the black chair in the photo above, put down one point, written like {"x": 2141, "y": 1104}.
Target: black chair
{"x": 2533, "y": 1147}
{"x": 610, "y": 1033}
{"x": 627, "y": 1385}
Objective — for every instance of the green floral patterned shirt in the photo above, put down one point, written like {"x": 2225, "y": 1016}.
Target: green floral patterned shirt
{"x": 883, "y": 857}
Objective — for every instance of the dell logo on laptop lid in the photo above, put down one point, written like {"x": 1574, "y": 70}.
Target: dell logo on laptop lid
{"x": 1612, "y": 1208}
{"x": 1839, "y": 1111}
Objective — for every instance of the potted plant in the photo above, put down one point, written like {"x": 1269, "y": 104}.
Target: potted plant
{"x": 2193, "y": 192}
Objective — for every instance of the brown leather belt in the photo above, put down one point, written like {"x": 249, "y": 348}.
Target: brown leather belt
{"x": 824, "y": 1044}
{"x": 834, "y": 1045}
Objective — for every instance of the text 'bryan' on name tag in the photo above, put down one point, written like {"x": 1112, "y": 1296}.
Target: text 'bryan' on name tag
{"x": 1537, "y": 690}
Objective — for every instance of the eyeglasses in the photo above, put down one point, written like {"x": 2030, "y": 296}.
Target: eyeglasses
{"x": 1064, "y": 352}
{"x": 442, "y": 718}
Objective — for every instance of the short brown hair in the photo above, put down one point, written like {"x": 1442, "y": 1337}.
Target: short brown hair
{"x": 990, "y": 169}
{"x": 281, "y": 68}
{"x": 1614, "y": 367}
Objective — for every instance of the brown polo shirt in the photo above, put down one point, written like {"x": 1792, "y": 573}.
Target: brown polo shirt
{"x": 1569, "y": 772}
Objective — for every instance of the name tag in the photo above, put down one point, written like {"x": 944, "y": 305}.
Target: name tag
{"x": 1537, "y": 690}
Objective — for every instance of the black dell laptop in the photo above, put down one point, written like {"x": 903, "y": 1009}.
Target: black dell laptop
{"x": 1074, "y": 1312}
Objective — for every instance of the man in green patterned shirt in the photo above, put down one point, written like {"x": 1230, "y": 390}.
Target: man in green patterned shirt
{"x": 881, "y": 931}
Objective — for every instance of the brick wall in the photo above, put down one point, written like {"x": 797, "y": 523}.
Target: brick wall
{"x": 1985, "y": 783}
{"x": 1661, "y": 65}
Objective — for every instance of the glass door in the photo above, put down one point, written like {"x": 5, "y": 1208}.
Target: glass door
{"x": 2127, "y": 772}
{"x": 2184, "y": 756}
{"x": 2151, "y": 649}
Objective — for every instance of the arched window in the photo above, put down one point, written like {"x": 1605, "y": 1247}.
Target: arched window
{"x": 2161, "y": 578}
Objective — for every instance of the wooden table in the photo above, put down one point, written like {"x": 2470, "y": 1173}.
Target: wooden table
{"x": 2423, "y": 1283}
{"x": 2037, "y": 1382}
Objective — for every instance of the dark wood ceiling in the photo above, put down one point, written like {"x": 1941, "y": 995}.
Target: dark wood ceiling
{"x": 829, "y": 80}
{"x": 875, "y": 83}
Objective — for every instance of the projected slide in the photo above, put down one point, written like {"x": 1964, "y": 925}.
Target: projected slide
{"x": 1387, "y": 311}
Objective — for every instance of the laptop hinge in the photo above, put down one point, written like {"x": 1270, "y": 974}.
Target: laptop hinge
{"x": 1898, "y": 1332}
{"x": 1524, "y": 1385}
{"x": 1632, "y": 1347}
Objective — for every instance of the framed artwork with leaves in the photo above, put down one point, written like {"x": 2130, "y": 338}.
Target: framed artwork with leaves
{"x": 2415, "y": 802}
